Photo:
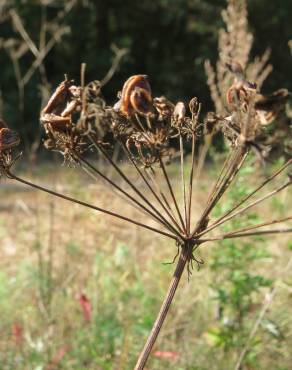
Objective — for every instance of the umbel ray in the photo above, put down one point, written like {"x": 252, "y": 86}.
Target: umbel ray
{"x": 78, "y": 124}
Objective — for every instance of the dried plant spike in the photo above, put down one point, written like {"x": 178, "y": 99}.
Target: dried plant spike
{"x": 136, "y": 96}
{"x": 8, "y": 139}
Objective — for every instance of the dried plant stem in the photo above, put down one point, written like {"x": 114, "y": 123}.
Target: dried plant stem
{"x": 93, "y": 175}
{"x": 127, "y": 195}
{"x": 268, "y": 223}
{"x": 264, "y": 232}
{"x": 172, "y": 193}
{"x": 191, "y": 179}
{"x": 151, "y": 174}
{"x": 152, "y": 190}
{"x": 235, "y": 166}
{"x": 242, "y": 235}
{"x": 231, "y": 172}
{"x": 183, "y": 184}
{"x": 243, "y": 200}
{"x": 129, "y": 182}
{"x": 221, "y": 176}
{"x": 240, "y": 211}
{"x": 184, "y": 258}
{"x": 119, "y": 55}
{"x": 65, "y": 197}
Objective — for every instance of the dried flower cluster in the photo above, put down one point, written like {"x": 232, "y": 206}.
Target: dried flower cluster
{"x": 269, "y": 109}
{"x": 77, "y": 119}
{"x": 77, "y": 122}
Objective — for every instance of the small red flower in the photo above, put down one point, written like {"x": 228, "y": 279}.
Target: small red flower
{"x": 166, "y": 354}
{"x": 17, "y": 333}
{"x": 53, "y": 365}
{"x": 86, "y": 307}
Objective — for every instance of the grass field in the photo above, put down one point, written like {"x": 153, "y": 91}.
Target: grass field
{"x": 80, "y": 290}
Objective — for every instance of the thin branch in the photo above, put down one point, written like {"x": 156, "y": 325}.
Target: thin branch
{"x": 228, "y": 178}
{"x": 135, "y": 201}
{"x": 172, "y": 193}
{"x": 119, "y": 54}
{"x": 43, "y": 53}
{"x": 183, "y": 184}
{"x": 129, "y": 182}
{"x": 191, "y": 184}
{"x": 240, "y": 211}
{"x": 268, "y": 223}
{"x": 65, "y": 197}
{"x": 149, "y": 186}
{"x": 243, "y": 200}
{"x": 242, "y": 235}
{"x": 163, "y": 198}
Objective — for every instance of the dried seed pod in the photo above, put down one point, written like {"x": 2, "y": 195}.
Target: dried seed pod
{"x": 8, "y": 139}
{"x": 269, "y": 106}
{"x": 58, "y": 99}
{"x": 179, "y": 111}
{"x": 55, "y": 123}
{"x": 136, "y": 96}
{"x": 238, "y": 91}
{"x": 163, "y": 106}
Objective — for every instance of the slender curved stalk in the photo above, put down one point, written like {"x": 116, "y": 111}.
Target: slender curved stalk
{"x": 236, "y": 164}
{"x": 242, "y": 235}
{"x": 244, "y": 199}
{"x": 65, "y": 197}
{"x": 160, "y": 220}
{"x": 150, "y": 187}
{"x": 172, "y": 193}
{"x": 124, "y": 177}
{"x": 183, "y": 260}
{"x": 183, "y": 184}
{"x": 242, "y": 210}
{"x": 191, "y": 179}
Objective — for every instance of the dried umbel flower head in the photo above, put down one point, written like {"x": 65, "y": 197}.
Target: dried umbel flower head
{"x": 77, "y": 119}
{"x": 148, "y": 136}
{"x": 146, "y": 139}
{"x": 252, "y": 112}
{"x": 57, "y": 119}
